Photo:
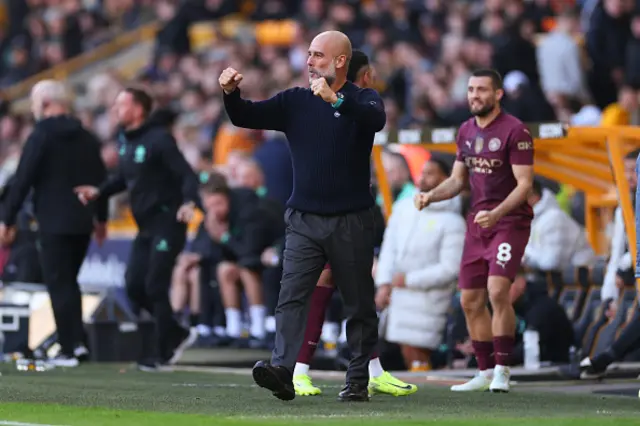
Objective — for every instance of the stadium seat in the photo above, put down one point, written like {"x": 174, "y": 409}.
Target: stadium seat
{"x": 607, "y": 334}
{"x": 568, "y": 299}
{"x": 598, "y": 271}
{"x": 587, "y": 315}
{"x": 599, "y": 321}
{"x": 202, "y": 35}
{"x": 629, "y": 316}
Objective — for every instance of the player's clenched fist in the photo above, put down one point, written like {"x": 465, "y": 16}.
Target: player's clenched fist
{"x": 422, "y": 200}
{"x": 229, "y": 80}
{"x": 321, "y": 88}
{"x": 486, "y": 219}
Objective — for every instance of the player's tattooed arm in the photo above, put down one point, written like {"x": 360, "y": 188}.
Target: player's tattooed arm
{"x": 524, "y": 177}
{"x": 453, "y": 185}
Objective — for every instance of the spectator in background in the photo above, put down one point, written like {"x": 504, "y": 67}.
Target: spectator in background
{"x": 556, "y": 241}
{"x": 620, "y": 265}
{"x": 417, "y": 270}
{"x": 606, "y": 40}
{"x": 274, "y": 159}
{"x": 250, "y": 176}
{"x": 539, "y": 312}
{"x": 559, "y": 61}
{"x": 398, "y": 176}
{"x": 625, "y": 112}
{"x": 524, "y": 100}
{"x": 632, "y": 58}
{"x": 238, "y": 228}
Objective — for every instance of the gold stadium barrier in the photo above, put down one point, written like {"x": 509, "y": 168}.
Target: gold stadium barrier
{"x": 588, "y": 159}
{"x": 67, "y": 68}
{"x": 204, "y": 35}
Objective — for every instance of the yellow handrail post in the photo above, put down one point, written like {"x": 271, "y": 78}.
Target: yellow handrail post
{"x": 616, "y": 156}
{"x": 591, "y": 219}
{"x": 383, "y": 184}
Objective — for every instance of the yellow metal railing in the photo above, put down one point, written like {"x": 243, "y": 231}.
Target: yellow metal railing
{"x": 64, "y": 70}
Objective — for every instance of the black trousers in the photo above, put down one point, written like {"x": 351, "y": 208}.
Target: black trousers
{"x": 211, "y": 307}
{"x": 148, "y": 280}
{"x": 347, "y": 242}
{"x": 61, "y": 257}
{"x": 271, "y": 284}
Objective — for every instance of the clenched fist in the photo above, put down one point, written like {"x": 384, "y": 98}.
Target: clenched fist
{"x": 321, "y": 88}
{"x": 229, "y": 80}
{"x": 422, "y": 200}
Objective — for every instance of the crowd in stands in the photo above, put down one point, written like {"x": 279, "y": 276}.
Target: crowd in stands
{"x": 578, "y": 65}
{"x": 40, "y": 34}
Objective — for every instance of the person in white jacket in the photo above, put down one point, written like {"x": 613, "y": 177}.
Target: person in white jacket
{"x": 418, "y": 269}
{"x": 620, "y": 258}
{"x": 556, "y": 239}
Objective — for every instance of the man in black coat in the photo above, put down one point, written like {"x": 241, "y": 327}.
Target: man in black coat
{"x": 59, "y": 155}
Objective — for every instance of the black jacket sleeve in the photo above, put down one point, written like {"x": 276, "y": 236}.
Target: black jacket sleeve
{"x": 26, "y": 175}
{"x": 366, "y": 107}
{"x": 269, "y": 114}
{"x": 175, "y": 161}
{"x": 113, "y": 185}
{"x": 99, "y": 175}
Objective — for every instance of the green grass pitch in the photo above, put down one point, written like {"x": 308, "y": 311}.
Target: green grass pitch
{"x": 99, "y": 395}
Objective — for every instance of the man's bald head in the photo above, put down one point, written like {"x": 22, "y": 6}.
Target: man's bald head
{"x": 329, "y": 56}
{"x": 338, "y": 42}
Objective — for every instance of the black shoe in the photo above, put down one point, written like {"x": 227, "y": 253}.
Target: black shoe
{"x": 354, "y": 393}
{"x": 185, "y": 340}
{"x": 153, "y": 366}
{"x": 595, "y": 368}
{"x": 275, "y": 378}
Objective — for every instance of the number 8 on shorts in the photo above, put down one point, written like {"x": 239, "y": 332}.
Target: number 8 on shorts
{"x": 504, "y": 253}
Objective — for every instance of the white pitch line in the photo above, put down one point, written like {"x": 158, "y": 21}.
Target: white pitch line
{"x": 310, "y": 416}
{"x": 235, "y": 385}
{"x": 10, "y": 423}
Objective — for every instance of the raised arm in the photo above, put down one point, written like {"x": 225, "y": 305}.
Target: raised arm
{"x": 453, "y": 185}
{"x": 447, "y": 189}
{"x": 262, "y": 115}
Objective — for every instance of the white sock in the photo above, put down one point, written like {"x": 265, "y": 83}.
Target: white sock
{"x": 343, "y": 332}
{"x": 330, "y": 332}
{"x": 270, "y": 325}
{"x": 375, "y": 368}
{"x": 203, "y": 330}
{"x": 220, "y": 331}
{"x": 498, "y": 369}
{"x": 487, "y": 373}
{"x": 301, "y": 369}
{"x": 257, "y": 313}
{"x": 234, "y": 322}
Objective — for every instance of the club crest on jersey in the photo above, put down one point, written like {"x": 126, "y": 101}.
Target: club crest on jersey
{"x": 478, "y": 145}
{"x": 139, "y": 154}
{"x": 494, "y": 144}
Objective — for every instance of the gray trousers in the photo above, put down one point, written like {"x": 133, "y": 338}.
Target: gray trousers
{"x": 347, "y": 243}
